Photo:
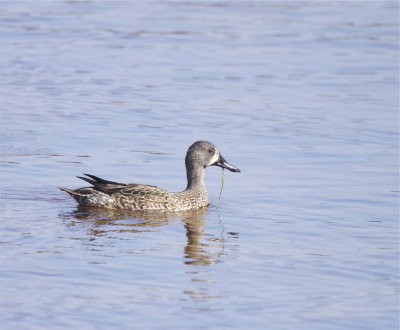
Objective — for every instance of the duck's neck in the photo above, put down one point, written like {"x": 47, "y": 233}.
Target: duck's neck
{"x": 195, "y": 178}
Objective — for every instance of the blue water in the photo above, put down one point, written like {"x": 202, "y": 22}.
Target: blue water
{"x": 301, "y": 96}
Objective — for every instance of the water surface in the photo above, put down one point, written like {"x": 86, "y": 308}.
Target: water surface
{"x": 301, "y": 96}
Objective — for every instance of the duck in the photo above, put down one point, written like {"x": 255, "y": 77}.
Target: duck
{"x": 143, "y": 197}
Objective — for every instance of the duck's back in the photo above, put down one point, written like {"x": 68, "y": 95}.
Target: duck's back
{"x": 142, "y": 197}
{"x": 113, "y": 195}
{"x": 146, "y": 197}
{"x": 123, "y": 196}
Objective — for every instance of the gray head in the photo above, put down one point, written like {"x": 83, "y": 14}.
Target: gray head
{"x": 204, "y": 153}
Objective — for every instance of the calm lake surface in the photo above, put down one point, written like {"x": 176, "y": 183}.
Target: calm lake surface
{"x": 301, "y": 96}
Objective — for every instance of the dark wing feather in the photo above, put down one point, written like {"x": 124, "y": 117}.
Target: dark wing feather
{"x": 100, "y": 180}
{"x": 111, "y": 187}
{"x": 87, "y": 180}
{"x": 105, "y": 186}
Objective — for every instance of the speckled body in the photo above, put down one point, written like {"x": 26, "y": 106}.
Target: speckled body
{"x": 141, "y": 197}
{"x": 114, "y": 195}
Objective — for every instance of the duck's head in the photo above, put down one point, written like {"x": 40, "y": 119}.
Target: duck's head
{"x": 205, "y": 154}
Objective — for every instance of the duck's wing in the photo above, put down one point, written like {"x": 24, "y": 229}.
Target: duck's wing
{"x": 144, "y": 190}
{"x": 143, "y": 197}
{"x": 112, "y": 194}
{"x": 102, "y": 185}
{"x": 111, "y": 187}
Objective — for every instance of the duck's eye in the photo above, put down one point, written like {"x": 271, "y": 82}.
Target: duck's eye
{"x": 211, "y": 150}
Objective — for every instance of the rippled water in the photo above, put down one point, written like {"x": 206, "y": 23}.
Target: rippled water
{"x": 302, "y": 96}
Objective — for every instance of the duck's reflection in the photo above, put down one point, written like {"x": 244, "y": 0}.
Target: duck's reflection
{"x": 103, "y": 222}
{"x": 195, "y": 252}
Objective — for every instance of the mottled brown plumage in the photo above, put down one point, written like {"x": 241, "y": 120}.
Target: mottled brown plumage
{"x": 114, "y": 195}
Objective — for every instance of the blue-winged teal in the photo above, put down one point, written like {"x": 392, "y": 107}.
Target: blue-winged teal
{"x": 114, "y": 195}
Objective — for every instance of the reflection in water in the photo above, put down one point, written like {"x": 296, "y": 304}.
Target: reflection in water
{"x": 194, "y": 226}
{"x": 104, "y": 221}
